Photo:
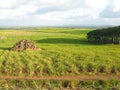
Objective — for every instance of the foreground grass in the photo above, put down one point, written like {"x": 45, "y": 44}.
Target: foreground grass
{"x": 59, "y": 85}
{"x": 65, "y": 51}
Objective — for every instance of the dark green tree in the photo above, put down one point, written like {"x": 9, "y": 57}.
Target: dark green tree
{"x": 105, "y": 35}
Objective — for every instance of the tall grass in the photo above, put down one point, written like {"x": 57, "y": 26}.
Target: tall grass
{"x": 59, "y": 85}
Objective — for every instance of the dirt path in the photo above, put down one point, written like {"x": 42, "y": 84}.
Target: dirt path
{"x": 82, "y": 77}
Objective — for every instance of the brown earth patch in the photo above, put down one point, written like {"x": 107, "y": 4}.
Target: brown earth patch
{"x": 81, "y": 78}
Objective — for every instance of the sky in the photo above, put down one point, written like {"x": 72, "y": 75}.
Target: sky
{"x": 59, "y": 12}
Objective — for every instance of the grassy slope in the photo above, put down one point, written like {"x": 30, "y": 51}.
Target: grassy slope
{"x": 65, "y": 51}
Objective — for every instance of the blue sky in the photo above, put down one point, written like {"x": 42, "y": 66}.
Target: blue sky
{"x": 59, "y": 12}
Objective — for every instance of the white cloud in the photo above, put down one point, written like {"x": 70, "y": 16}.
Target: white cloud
{"x": 53, "y": 2}
{"x": 59, "y": 11}
{"x": 7, "y": 3}
{"x": 11, "y": 3}
{"x": 96, "y": 4}
{"x": 61, "y": 15}
{"x": 116, "y": 5}
{"x": 112, "y": 10}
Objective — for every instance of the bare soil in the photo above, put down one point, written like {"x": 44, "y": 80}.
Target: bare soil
{"x": 82, "y": 77}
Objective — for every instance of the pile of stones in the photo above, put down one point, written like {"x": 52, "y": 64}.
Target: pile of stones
{"x": 24, "y": 45}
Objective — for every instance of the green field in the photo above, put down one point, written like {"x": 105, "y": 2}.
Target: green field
{"x": 65, "y": 51}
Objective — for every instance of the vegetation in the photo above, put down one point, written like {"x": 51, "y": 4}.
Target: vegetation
{"x": 65, "y": 51}
{"x": 105, "y": 36}
{"x": 59, "y": 85}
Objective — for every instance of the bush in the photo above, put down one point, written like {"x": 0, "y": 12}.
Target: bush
{"x": 105, "y": 36}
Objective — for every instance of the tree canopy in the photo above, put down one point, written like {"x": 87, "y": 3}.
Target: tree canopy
{"x": 105, "y": 35}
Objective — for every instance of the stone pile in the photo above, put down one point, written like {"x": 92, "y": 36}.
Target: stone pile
{"x": 24, "y": 45}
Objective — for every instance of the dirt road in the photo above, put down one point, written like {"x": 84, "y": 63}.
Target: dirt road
{"x": 82, "y": 77}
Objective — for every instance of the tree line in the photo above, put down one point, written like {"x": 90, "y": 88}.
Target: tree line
{"x": 105, "y": 35}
